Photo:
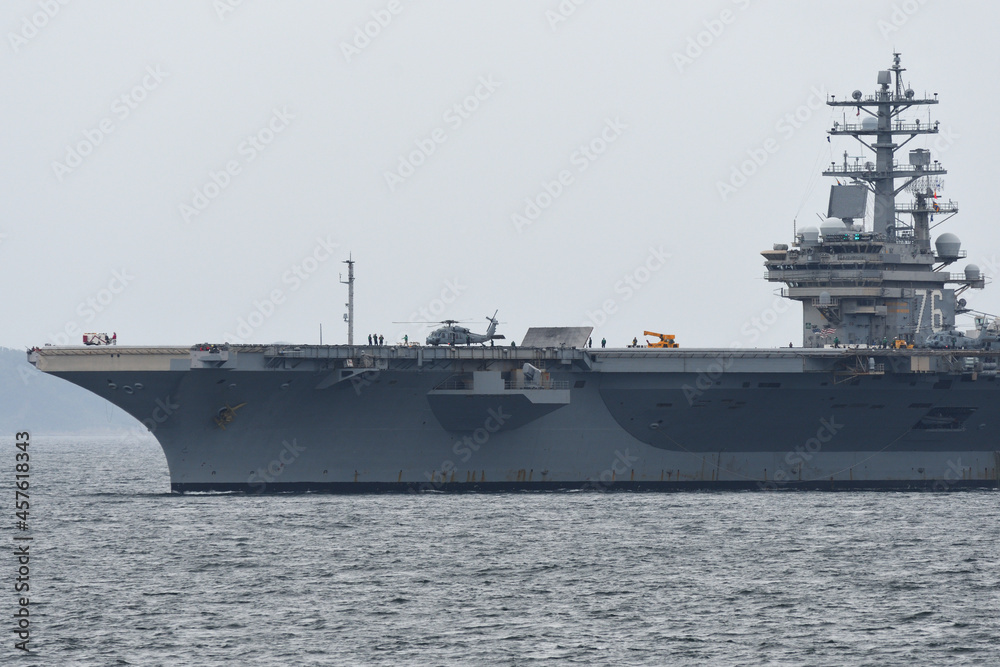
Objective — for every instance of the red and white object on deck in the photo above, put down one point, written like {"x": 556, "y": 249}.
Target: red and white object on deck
{"x": 100, "y": 339}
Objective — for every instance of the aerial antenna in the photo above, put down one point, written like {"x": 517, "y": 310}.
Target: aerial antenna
{"x": 349, "y": 315}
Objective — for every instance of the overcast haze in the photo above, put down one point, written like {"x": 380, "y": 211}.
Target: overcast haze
{"x": 127, "y": 202}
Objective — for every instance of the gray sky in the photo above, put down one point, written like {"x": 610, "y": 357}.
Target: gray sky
{"x": 179, "y": 172}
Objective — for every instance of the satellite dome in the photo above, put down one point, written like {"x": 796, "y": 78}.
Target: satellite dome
{"x": 810, "y": 235}
{"x": 833, "y": 227}
{"x": 972, "y": 272}
{"x": 948, "y": 246}
{"x": 869, "y": 123}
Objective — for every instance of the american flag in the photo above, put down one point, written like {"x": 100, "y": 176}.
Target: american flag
{"x": 828, "y": 332}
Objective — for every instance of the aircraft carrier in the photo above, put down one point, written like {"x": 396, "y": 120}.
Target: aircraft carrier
{"x": 884, "y": 393}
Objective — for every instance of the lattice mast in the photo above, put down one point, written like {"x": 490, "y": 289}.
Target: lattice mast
{"x": 877, "y": 132}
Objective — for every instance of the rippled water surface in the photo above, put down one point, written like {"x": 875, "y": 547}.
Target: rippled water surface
{"x": 125, "y": 573}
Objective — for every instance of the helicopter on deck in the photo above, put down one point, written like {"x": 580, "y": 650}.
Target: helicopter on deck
{"x": 452, "y": 334}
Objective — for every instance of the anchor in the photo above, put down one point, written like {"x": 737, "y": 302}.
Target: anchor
{"x": 226, "y": 415}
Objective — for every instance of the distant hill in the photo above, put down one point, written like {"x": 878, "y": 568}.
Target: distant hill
{"x": 43, "y": 404}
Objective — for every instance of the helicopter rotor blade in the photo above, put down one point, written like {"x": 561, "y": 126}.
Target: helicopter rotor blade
{"x": 433, "y": 323}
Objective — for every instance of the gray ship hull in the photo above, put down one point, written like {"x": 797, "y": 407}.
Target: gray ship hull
{"x": 357, "y": 419}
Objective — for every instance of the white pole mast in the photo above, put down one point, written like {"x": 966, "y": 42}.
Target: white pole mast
{"x": 350, "y": 299}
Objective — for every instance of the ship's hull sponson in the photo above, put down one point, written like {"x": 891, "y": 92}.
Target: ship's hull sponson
{"x": 387, "y": 419}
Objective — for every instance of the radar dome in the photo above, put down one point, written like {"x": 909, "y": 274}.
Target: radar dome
{"x": 833, "y": 227}
{"x": 948, "y": 246}
{"x": 869, "y": 123}
{"x": 810, "y": 235}
{"x": 972, "y": 272}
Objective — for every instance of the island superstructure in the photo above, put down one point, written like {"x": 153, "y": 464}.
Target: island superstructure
{"x": 885, "y": 283}
{"x": 878, "y": 397}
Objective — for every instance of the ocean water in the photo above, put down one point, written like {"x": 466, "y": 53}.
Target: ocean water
{"x": 124, "y": 573}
